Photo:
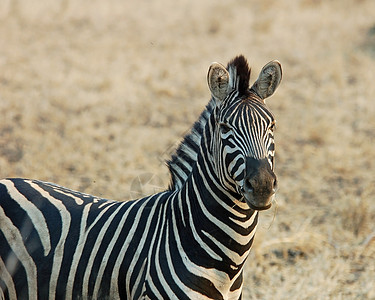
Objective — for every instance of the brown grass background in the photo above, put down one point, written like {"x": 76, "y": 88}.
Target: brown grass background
{"x": 95, "y": 94}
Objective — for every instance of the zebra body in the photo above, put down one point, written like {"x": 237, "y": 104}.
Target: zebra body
{"x": 189, "y": 242}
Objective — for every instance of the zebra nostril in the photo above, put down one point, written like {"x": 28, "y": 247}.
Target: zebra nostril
{"x": 248, "y": 185}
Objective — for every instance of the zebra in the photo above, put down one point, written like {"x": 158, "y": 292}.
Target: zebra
{"x": 188, "y": 242}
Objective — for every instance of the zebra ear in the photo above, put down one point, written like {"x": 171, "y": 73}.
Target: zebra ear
{"x": 218, "y": 80}
{"x": 268, "y": 80}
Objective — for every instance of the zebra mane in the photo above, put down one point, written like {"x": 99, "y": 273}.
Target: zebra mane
{"x": 183, "y": 160}
{"x": 239, "y": 75}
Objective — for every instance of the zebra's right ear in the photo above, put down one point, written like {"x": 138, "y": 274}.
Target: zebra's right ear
{"x": 218, "y": 81}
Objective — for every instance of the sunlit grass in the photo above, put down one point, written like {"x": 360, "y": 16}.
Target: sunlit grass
{"x": 93, "y": 96}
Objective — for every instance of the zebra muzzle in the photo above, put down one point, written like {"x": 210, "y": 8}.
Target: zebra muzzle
{"x": 260, "y": 184}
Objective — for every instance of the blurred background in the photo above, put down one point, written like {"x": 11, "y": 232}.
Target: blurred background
{"x": 95, "y": 95}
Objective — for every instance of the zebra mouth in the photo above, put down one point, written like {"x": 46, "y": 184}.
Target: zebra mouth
{"x": 254, "y": 203}
{"x": 259, "y": 208}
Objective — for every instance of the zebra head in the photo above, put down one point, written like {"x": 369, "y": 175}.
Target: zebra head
{"x": 243, "y": 141}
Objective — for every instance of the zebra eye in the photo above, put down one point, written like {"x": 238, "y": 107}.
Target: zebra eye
{"x": 273, "y": 126}
{"x": 224, "y": 128}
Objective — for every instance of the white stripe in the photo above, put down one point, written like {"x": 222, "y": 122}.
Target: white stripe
{"x": 114, "y": 280}
{"x": 95, "y": 249}
{"x": 154, "y": 289}
{"x": 148, "y": 278}
{"x": 247, "y": 223}
{"x": 34, "y": 214}
{"x": 233, "y": 256}
{"x": 83, "y": 234}
{"x": 189, "y": 292}
{"x": 180, "y": 208}
{"x": 242, "y": 240}
{"x": 6, "y": 277}
{"x": 138, "y": 282}
{"x": 59, "y": 250}
{"x": 78, "y": 200}
{"x": 165, "y": 285}
{"x": 239, "y": 171}
{"x": 197, "y": 237}
{"x": 235, "y": 294}
{"x": 141, "y": 243}
{"x": 228, "y": 150}
{"x": 213, "y": 275}
{"x": 116, "y": 270}
{"x": 222, "y": 203}
{"x": 14, "y": 239}
{"x": 181, "y": 176}
{"x": 77, "y": 253}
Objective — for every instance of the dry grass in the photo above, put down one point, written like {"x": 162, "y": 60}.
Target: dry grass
{"x": 94, "y": 94}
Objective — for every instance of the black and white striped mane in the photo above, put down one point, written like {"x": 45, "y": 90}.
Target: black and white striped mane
{"x": 239, "y": 72}
{"x": 182, "y": 161}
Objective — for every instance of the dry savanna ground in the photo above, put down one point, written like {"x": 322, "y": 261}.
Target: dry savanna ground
{"x": 95, "y": 94}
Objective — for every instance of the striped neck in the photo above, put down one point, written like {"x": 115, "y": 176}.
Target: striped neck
{"x": 225, "y": 225}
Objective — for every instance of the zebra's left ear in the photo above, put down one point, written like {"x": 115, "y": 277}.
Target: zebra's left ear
{"x": 218, "y": 80}
{"x": 268, "y": 80}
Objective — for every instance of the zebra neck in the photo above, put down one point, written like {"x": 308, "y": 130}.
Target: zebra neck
{"x": 225, "y": 225}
